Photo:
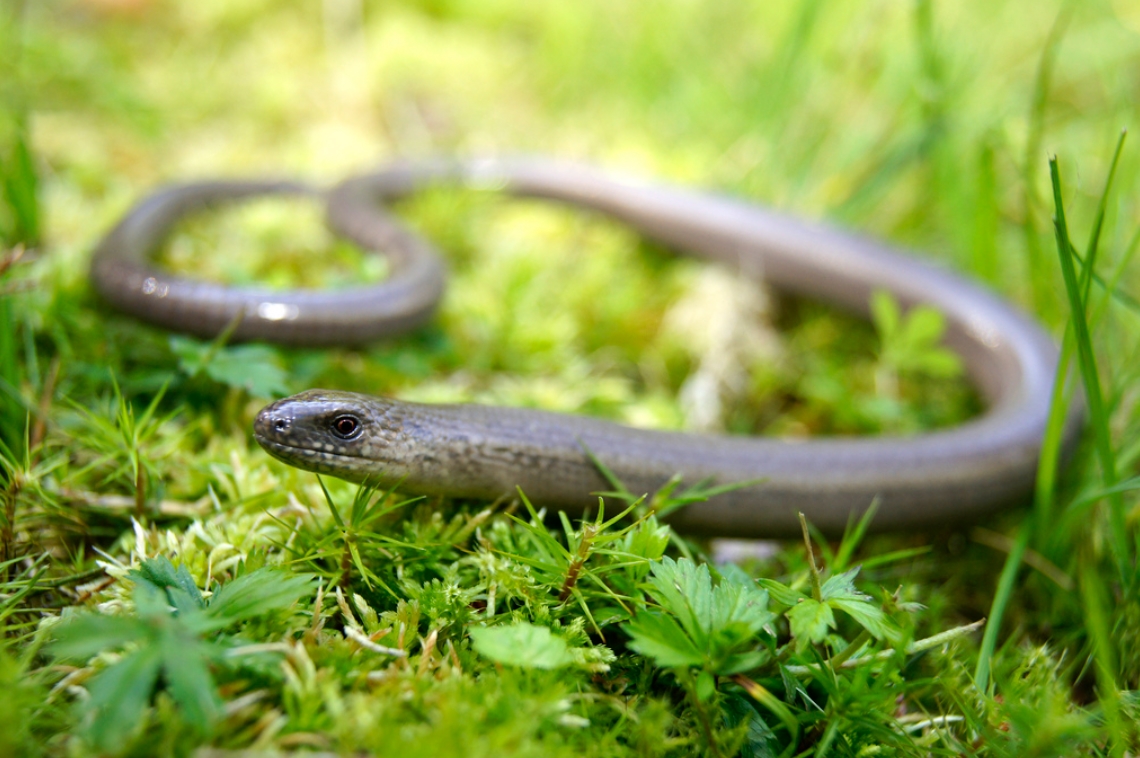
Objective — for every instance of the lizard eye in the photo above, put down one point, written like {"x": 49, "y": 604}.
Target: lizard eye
{"x": 346, "y": 427}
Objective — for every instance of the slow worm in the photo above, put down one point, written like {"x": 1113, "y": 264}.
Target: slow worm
{"x": 921, "y": 481}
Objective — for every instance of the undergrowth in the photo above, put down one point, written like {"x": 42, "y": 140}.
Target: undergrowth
{"x": 166, "y": 588}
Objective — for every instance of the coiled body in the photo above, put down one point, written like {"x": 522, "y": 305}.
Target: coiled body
{"x": 923, "y": 480}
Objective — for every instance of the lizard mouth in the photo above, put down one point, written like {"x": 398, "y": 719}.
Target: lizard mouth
{"x": 339, "y": 464}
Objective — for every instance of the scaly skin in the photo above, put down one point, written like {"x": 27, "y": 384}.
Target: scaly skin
{"x": 922, "y": 481}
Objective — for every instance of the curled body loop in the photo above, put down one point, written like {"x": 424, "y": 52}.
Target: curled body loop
{"x": 921, "y": 481}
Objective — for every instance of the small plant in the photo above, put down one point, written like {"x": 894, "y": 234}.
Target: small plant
{"x": 909, "y": 344}
{"x": 256, "y": 369}
{"x": 130, "y": 449}
{"x": 723, "y": 643}
{"x": 170, "y": 643}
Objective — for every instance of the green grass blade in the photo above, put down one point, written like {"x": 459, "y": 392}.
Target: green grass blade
{"x": 1098, "y": 224}
{"x": 997, "y": 609}
{"x": 332, "y": 506}
{"x": 1104, "y": 654}
{"x": 1044, "y": 494}
{"x": 1086, "y": 361}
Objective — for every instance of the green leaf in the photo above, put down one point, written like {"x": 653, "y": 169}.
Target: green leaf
{"x": 699, "y": 624}
{"x": 885, "y": 314}
{"x": 738, "y": 663}
{"x": 842, "y": 586}
{"x": 706, "y": 686}
{"x": 118, "y": 697}
{"x": 923, "y": 327}
{"x": 810, "y": 620}
{"x": 179, "y": 586}
{"x": 521, "y": 644}
{"x": 84, "y": 636}
{"x": 684, "y": 589}
{"x": 911, "y": 342}
{"x": 253, "y": 368}
{"x": 20, "y": 183}
{"x": 151, "y": 603}
{"x": 187, "y": 674}
{"x": 868, "y": 616}
{"x": 257, "y": 593}
{"x": 647, "y": 540}
{"x": 839, "y": 592}
{"x": 661, "y": 638}
{"x": 781, "y": 593}
{"x": 939, "y": 362}
{"x": 759, "y": 740}
{"x": 740, "y": 603}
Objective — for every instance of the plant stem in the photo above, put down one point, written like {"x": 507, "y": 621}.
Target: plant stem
{"x": 575, "y": 568}
{"x": 816, "y": 585}
{"x": 7, "y": 529}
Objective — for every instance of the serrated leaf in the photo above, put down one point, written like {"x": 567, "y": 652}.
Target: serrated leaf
{"x": 866, "y": 615}
{"x": 810, "y": 620}
{"x": 661, "y": 638}
{"x": 911, "y": 342}
{"x": 150, "y": 602}
{"x": 743, "y": 603}
{"x": 684, "y": 589}
{"x": 177, "y": 584}
{"x": 257, "y": 593}
{"x": 842, "y": 586}
{"x": 521, "y": 644}
{"x": 781, "y": 593}
{"x": 253, "y": 368}
{"x": 699, "y": 624}
{"x": 84, "y": 636}
{"x": 119, "y": 696}
{"x": 733, "y": 573}
{"x": 186, "y": 672}
{"x": 647, "y": 540}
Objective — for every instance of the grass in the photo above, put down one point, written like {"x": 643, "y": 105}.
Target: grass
{"x": 165, "y": 587}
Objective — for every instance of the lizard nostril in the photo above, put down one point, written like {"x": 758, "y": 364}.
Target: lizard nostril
{"x": 281, "y": 425}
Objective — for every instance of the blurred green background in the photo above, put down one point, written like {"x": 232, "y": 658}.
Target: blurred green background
{"x": 926, "y": 123}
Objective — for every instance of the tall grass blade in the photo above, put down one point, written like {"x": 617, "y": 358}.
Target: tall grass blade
{"x": 1104, "y": 654}
{"x": 1089, "y": 261}
{"x": 1086, "y": 361}
{"x": 997, "y": 610}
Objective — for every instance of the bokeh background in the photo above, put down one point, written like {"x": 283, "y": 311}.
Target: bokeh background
{"x": 920, "y": 121}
